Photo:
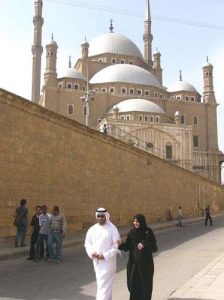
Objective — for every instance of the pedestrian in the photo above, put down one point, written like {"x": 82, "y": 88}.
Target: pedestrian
{"x": 179, "y": 217}
{"x": 103, "y": 128}
{"x": 208, "y": 216}
{"x": 58, "y": 226}
{"x": 21, "y": 221}
{"x": 101, "y": 245}
{"x": 35, "y": 231}
{"x": 44, "y": 222}
{"x": 140, "y": 243}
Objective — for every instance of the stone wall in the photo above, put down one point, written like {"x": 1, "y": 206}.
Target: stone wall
{"x": 49, "y": 159}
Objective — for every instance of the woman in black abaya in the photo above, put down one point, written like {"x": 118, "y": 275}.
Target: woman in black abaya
{"x": 140, "y": 243}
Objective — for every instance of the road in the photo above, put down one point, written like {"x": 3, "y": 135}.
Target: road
{"x": 183, "y": 252}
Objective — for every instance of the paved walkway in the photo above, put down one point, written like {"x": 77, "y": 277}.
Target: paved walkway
{"x": 206, "y": 285}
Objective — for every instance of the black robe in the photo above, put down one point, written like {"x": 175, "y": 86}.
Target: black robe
{"x": 140, "y": 267}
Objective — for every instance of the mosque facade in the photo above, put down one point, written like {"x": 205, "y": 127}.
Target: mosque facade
{"x": 114, "y": 86}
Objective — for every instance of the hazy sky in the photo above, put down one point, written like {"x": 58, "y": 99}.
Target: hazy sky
{"x": 183, "y": 46}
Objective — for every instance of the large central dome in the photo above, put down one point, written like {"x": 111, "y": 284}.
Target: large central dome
{"x": 125, "y": 73}
{"x": 113, "y": 43}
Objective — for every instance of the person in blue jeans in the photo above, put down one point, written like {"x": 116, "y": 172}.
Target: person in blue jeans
{"x": 57, "y": 232}
{"x": 44, "y": 222}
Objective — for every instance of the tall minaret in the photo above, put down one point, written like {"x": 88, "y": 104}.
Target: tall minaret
{"x": 211, "y": 107}
{"x": 147, "y": 37}
{"x": 209, "y": 95}
{"x": 37, "y": 50}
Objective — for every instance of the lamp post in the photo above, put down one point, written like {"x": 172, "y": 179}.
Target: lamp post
{"x": 86, "y": 97}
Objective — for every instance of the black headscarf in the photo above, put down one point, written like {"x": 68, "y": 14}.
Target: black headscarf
{"x": 138, "y": 234}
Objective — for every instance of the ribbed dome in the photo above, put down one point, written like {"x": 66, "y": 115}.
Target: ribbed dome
{"x": 113, "y": 43}
{"x": 72, "y": 73}
{"x": 182, "y": 86}
{"x": 140, "y": 105}
{"x": 125, "y": 73}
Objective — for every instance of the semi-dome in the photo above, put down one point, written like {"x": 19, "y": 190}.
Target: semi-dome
{"x": 140, "y": 105}
{"x": 72, "y": 73}
{"x": 113, "y": 43}
{"x": 180, "y": 86}
{"x": 125, "y": 73}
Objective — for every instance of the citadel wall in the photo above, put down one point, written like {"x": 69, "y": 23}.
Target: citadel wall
{"x": 49, "y": 159}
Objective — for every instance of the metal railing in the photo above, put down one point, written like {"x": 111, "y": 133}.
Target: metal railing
{"x": 132, "y": 140}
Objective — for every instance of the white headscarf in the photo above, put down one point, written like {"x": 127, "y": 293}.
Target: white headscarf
{"x": 103, "y": 211}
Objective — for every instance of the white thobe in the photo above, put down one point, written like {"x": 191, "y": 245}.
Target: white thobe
{"x": 102, "y": 239}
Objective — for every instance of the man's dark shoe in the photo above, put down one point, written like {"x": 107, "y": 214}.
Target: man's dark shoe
{"x": 30, "y": 258}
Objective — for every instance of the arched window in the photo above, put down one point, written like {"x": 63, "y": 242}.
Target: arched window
{"x": 222, "y": 173}
{"x": 70, "y": 109}
{"x": 169, "y": 151}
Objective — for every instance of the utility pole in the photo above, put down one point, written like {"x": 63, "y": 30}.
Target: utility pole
{"x": 86, "y": 99}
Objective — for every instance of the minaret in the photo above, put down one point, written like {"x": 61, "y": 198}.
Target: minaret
{"x": 209, "y": 95}
{"x": 147, "y": 37}
{"x": 157, "y": 70}
{"x": 50, "y": 75}
{"x": 37, "y": 50}
{"x": 85, "y": 49}
{"x": 211, "y": 107}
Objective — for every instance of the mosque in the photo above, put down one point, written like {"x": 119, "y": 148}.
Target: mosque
{"x": 114, "y": 86}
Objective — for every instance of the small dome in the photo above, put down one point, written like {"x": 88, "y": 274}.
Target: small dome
{"x": 113, "y": 43}
{"x": 53, "y": 42}
{"x": 125, "y": 73}
{"x": 72, "y": 73}
{"x": 140, "y": 105}
{"x": 177, "y": 113}
{"x": 180, "y": 86}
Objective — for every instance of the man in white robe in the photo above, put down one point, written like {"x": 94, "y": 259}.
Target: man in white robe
{"x": 101, "y": 245}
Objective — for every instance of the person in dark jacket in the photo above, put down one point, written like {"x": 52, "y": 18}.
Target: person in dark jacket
{"x": 21, "y": 220}
{"x": 140, "y": 243}
{"x": 35, "y": 231}
{"x": 208, "y": 216}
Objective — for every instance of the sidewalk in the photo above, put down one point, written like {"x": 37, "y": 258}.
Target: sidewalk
{"x": 9, "y": 252}
{"x": 206, "y": 285}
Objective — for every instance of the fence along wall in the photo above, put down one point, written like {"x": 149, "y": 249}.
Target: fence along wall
{"x": 49, "y": 159}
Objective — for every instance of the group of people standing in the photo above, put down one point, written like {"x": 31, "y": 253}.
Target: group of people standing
{"x": 48, "y": 229}
{"x": 102, "y": 245}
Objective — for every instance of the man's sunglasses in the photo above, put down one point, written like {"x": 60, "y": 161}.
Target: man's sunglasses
{"x": 100, "y": 216}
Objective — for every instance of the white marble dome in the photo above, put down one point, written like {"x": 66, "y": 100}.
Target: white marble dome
{"x": 125, "y": 73}
{"x": 113, "y": 43}
{"x": 180, "y": 86}
{"x": 139, "y": 105}
{"x": 72, "y": 73}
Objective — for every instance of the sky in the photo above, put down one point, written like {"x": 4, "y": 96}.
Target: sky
{"x": 184, "y": 44}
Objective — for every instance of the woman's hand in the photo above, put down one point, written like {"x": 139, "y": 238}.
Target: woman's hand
{"x": 140, "y": 246}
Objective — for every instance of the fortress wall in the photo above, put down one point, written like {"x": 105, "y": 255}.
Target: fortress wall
{"x": 49, "y": 159}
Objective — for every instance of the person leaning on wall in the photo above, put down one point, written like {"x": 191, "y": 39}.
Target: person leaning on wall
{"x": 21, "y": 221}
